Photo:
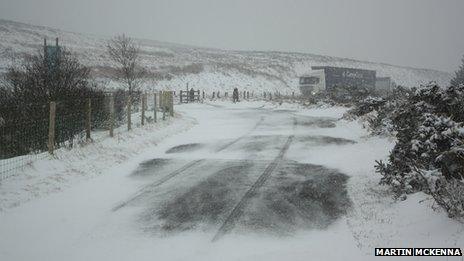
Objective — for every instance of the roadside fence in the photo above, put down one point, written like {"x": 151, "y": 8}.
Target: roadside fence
{"x": 33, "y": 131}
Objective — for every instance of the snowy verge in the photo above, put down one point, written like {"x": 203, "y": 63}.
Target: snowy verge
{"x": 376, "y": 219}
{"x": 68, "y": 167}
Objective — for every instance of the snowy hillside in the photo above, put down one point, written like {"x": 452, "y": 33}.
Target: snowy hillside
{"x": 174, "y": 65}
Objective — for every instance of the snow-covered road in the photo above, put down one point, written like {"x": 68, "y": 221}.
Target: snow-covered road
{"x": 250, "y": 181}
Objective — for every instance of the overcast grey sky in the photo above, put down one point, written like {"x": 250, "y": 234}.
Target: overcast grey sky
{"x": 419, "y": 33}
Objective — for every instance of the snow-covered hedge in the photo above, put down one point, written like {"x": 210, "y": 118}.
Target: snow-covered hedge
{"x": 429, "y": 154}
{"x": 377, "y": 111}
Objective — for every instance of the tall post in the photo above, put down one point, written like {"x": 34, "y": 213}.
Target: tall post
{"x": 112, "y": 115}
{"x": 144, "y": 101}
{"x": 129, "y": 112}
{"x": 161, "y": 99}
{"x": 171, "y": 104}
{"x": 88, "y": 119}
{"x": 163, "y": 105}
{"x": 248, "y": 95}
{"x": 154, "y": 106}
{"x": 203, "y": 95}
{"x": 180, "y": 96}
{"x": 51, "y": 128}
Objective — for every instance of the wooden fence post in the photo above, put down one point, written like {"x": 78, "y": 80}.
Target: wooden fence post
{"x": 161, "y": 99}
{"x": 171, "y": 107}
{"x": 162, "y": 103}
{"x": 203, "y": 95}
{"x": 88, "y": 119}
{"x": 51, "y": 128}
{"x": 129, "y": 113}
{"x": 154, "y": 106}
{"x": 112, "y": 115}
{"x": 144, "y": 100}
{"x": 248, "y": 95}
{"x": 180, "y": 96}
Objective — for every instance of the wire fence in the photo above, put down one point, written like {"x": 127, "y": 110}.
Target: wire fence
{"x": 33, "y": 131}
{"x": 29, "y": 132}
{"x": 188, "y": 96}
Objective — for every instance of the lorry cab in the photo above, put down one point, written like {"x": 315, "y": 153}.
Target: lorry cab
{"x": 312, "y": 83}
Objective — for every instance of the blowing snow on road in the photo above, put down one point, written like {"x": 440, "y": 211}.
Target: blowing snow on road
{"x": 250, "y": 181}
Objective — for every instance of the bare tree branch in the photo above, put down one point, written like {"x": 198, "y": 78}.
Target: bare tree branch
{"x": 126, "y": 54}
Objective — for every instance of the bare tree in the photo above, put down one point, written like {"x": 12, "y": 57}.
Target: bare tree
{"x": 126, "y": 54}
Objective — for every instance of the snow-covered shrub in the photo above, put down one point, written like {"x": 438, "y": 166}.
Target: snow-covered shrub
{"x": 448, "y": 193}
{"x": 458, "y": 79}
{"x": 377, "y": 111}
{"x": 368, "y": 105}
{"x": 25, "y": 93}
{"x": 430, "y": 139}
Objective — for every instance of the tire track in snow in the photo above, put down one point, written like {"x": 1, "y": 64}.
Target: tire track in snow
{"x": 237, "y": 211}
{"x": 149, "y": 187}
{"x": 187, "y": 166}
{"x": 241, "y": 137}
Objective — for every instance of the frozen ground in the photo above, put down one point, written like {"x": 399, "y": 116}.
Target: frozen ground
{"x": 249, "y": 181}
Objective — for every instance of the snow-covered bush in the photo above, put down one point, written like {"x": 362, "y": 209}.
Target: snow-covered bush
{"x": 25, "y": 92}
{"x": 458, "y": 79}
{"x": 377, "y": 111}
{"x": 430, "y": 139}
{"x": 368, "y": 105}
{"x": 448, "y": 193}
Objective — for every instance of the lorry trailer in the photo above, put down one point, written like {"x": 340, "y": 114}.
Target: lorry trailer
{"x": 328, "y": 78}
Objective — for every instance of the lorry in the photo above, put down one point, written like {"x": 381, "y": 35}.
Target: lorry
{"x": 328, "y": 78}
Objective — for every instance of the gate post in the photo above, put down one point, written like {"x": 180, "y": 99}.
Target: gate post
{"x": 154, "y": 106}
{"x": 88, "y": 120}
{"x": 144, "y": 101}
{"x": 112, "y": 115}
{"x": 171, "y": 104}
{"x": 129, "y": 113}
{"x": 51, "y": 128}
